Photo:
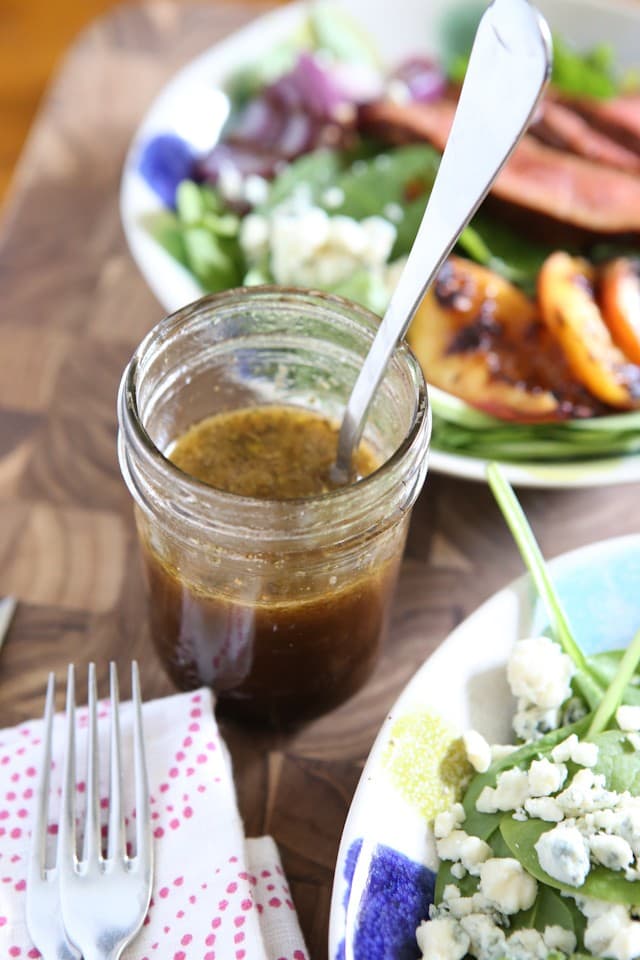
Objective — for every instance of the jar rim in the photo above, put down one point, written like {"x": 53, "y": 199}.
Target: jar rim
{"x": 134, "y": 428}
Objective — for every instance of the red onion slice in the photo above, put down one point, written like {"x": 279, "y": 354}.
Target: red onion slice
{"x": 424, "y": 79}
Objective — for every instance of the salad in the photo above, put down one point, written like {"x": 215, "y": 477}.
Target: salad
{"x": 531, "y": 333}
{"x": 540, "y": 859}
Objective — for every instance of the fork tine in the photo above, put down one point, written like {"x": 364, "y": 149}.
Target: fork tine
{"x": 38, "y": 853}
{"x": 66, "y": 850}
{"x": 92, "y": 843}
{"x": 43, "y": 912}
{"x": 143, "y": 816}
{"x": 117, "y": 841}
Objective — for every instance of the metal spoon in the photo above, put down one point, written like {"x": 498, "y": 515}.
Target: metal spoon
{"x": 509, "y": 67}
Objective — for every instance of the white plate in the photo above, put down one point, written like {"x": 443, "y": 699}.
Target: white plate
{"x": 195, "y": 93}
{"x": 554, "y": 476}
{"x": 385, "y": 870}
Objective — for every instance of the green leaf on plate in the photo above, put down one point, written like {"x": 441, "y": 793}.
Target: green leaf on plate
{"x": 364, "y": 287}
{"x": 335, "y": 31}
{"x": 549, "y": 909}
{"x": 483, "y": 824}
{"x": 166, "y": 230}
{"x": 191, "y": 203}
{"x": 402, "y": 178}
{"x": 521, "y": 838}
{"x": 584, "y": 74}
{"x": 457, "y": 29}
{"x": 460, "y": 428}
{"x": 618, "y": 761}
{"x": 313, "y": 173}
{"x": 505, "y": 251}
{"x": 589, "y": 73}
{"x": 212, "y": 259}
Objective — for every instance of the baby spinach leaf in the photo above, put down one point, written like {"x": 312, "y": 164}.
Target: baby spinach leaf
{"x": 457, "y": 29}
{"x": 467, "y": 886}
{"x": 549, "y": 909}
{"x": 496, "y": 841}
{"x": 521, "y": 838}
{"x": 365, "y": 287}
{"x": 313, "y": 172}
{"x": 619, "y": 761}
{"x": 401, "y": 178}
{"x": 483, "y": 824}
{"x": 505, "y": 251}
{"x": 479, "y": 824}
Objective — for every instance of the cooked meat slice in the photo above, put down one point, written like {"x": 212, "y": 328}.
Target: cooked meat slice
{"x": 559, "y": 126}
{"x": 537, "y": 177}
{"x": 618, "y": 118}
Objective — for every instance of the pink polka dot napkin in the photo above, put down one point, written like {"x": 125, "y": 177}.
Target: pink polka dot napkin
{"x": 217, "y": 895}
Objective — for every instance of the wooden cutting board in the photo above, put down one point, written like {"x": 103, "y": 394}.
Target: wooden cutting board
{"x": 73, "y": 309}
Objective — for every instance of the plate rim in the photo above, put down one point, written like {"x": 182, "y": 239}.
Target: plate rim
{"x": 520, "y": 588}
{"x": 541, "y": 476}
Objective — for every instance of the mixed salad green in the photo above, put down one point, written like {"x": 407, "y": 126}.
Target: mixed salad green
{"x": 364, "y": 201}
{"x": 459, "y": 428}
{"x": 540, "y": 860}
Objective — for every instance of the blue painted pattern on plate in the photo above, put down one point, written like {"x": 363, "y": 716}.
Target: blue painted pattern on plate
{"x": 164, "y": 162}
{"x": 397, "y": 897}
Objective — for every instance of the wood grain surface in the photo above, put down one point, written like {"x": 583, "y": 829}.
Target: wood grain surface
{"x": 73, "y": 309}
{"x": 34, "y": 35}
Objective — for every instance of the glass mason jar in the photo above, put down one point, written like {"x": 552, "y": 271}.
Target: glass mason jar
{"x": 278, "y": 605}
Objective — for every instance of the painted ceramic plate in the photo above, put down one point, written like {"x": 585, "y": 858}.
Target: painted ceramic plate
{"x": 386, "y": 864}
{"x": 194, "y": 107}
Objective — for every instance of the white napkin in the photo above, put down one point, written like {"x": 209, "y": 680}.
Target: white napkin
{"x": 216, "y": 895}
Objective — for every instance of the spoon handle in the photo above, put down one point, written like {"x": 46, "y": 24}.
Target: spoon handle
{"x": 508, "y": 69}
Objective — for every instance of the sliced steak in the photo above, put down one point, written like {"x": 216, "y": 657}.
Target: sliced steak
{"x": 537, "y": 177}
{"x": 618, "y": 118}
{"x": 558, "y": 125}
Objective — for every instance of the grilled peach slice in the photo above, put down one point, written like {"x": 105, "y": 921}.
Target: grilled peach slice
{"x": 569, "y": 309}
{"x": 620, "y": 303}
{"x": 480, "y": 338}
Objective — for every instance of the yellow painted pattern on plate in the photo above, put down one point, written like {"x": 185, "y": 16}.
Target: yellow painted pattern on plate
{"x": 426, "y": 762}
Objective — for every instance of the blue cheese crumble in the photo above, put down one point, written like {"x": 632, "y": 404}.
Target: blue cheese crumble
{"x": 303, "y": 245}
{"x": 587, "y": 825}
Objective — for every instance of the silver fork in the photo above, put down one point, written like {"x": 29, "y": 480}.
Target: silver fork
{"x": 103, "y": 901}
